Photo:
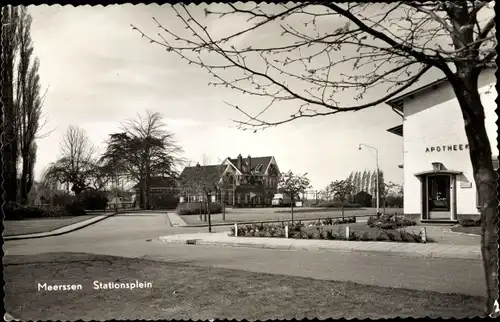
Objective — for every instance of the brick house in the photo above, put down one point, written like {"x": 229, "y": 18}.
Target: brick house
{"x": 241, "y": 182}
{"x": 163, "y": 192}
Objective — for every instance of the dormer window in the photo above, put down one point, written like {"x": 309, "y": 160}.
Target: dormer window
{"x": 259, "y": 167}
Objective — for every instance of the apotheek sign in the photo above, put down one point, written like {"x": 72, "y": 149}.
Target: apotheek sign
{"x": 443, "y": 148}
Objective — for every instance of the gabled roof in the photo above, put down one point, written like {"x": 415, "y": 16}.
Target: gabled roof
{"x": 258, "y": 164}
{"x": 159, "y": 182}
{"x": 210, "y": 174}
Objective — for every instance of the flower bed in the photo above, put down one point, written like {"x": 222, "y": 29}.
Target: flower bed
{"x": 392, "y": 221}
{"x": 299, "y": 231}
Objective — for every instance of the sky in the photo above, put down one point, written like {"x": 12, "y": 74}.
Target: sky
{"x": 100, "y": 72}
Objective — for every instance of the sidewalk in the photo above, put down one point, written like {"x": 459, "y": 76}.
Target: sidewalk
{"x": 431, "y": 250}
{"x": 62, "y": 230}
{"x": 176, "y": 220}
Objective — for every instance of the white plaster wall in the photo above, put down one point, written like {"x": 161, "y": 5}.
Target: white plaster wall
{"x": 442, "y": 124}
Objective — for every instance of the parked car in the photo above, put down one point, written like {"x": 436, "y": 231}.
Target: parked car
{"x": 281, "y": 200}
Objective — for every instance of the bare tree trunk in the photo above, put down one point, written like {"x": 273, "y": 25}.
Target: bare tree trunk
{"x": 484, "y": 176}
{"x": 209, "y": 218}
{"x": 342, "y": 208}
{"x": 24, "y": 178}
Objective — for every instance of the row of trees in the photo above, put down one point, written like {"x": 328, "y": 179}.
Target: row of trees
{"x": 144, "y": 148}
{"x": 22, "y": 102}
{"x": 349, "y": 190}
{"x": 366, "y": 181}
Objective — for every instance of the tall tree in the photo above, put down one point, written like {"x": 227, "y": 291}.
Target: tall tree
{"x": 293, "y": 185}
{"x": 355, "y": 181}
{"x": 363, "y": 181}
{"x": 358, "y": 183}
{"x": 9, "y": 142}
{"x": 373, "y": 183}
{"x": 28, "y": 102}
{"x": 351, "y": 179}
{"x": 329, "y": 52}
{"x": 368, "y": 181}
{"x": 144, "y": 149}
{"x": 78, "y": 163}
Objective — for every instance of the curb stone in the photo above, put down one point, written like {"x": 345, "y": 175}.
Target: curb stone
{"x": 460, "y": 233}
{"x": 415, "y": 254}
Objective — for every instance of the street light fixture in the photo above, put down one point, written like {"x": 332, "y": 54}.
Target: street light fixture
{"x": 376, "y": 158}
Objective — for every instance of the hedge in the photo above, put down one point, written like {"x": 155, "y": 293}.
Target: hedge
{"x": 337, "y": 204}
{"x": 470, "y": 222}
{"x": 19, "y": 212}
{"x": 195, "y": 208}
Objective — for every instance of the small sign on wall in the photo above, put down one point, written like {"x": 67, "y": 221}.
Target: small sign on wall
{"x": 465, "y": 184}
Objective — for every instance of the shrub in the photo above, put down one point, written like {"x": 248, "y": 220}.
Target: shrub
{"x": 391, "y": 236}
{"x": 310, "y": 235}
{"x": 354, "y": 236}
{"x": 94, "y": 200}
{"x": 328, "y": 221}
{"x": 164, "y": 201}
{"x": 470, "y": 222}
{"x": 14, "y": 211}
{"x": 75, "y": 208}
{"x": 321, "y": 233}
{"x": 416, "y": 237}
{"x": 296, "y": 226}
{"x": 389, "y": 222}
{"x": 381, "y": 236}
{"x": 62, "y": 199}
{"x": 365, "y": 236}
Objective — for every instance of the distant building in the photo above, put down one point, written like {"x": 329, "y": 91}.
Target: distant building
{"x": 241, "y": 182}
{"x": 438, "y": 177}
{"x": 163, "y": 193}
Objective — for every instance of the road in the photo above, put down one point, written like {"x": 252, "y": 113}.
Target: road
{"x": 128, "y": 234}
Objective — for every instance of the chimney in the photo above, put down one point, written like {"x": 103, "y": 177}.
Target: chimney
{"x": 249, "y": 161}
{"x": 240, "y": 162}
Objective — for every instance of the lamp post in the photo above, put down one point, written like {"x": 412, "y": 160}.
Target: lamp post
{"x": 376, "y": 158}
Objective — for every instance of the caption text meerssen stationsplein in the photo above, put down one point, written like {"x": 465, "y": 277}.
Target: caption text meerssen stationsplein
{"x": 96, "y": 285}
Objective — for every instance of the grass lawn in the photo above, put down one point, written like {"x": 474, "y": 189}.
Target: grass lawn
{"x": 180, "y": 291}
{"x": 42, "y": 225}
{"x": 467, "y": 230}
{"x": 254, "y": 215}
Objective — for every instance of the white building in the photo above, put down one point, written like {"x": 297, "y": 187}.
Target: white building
{"x": 438, "y": 177}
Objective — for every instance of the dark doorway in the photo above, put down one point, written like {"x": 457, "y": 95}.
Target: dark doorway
{"x": 438, "y": 197}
